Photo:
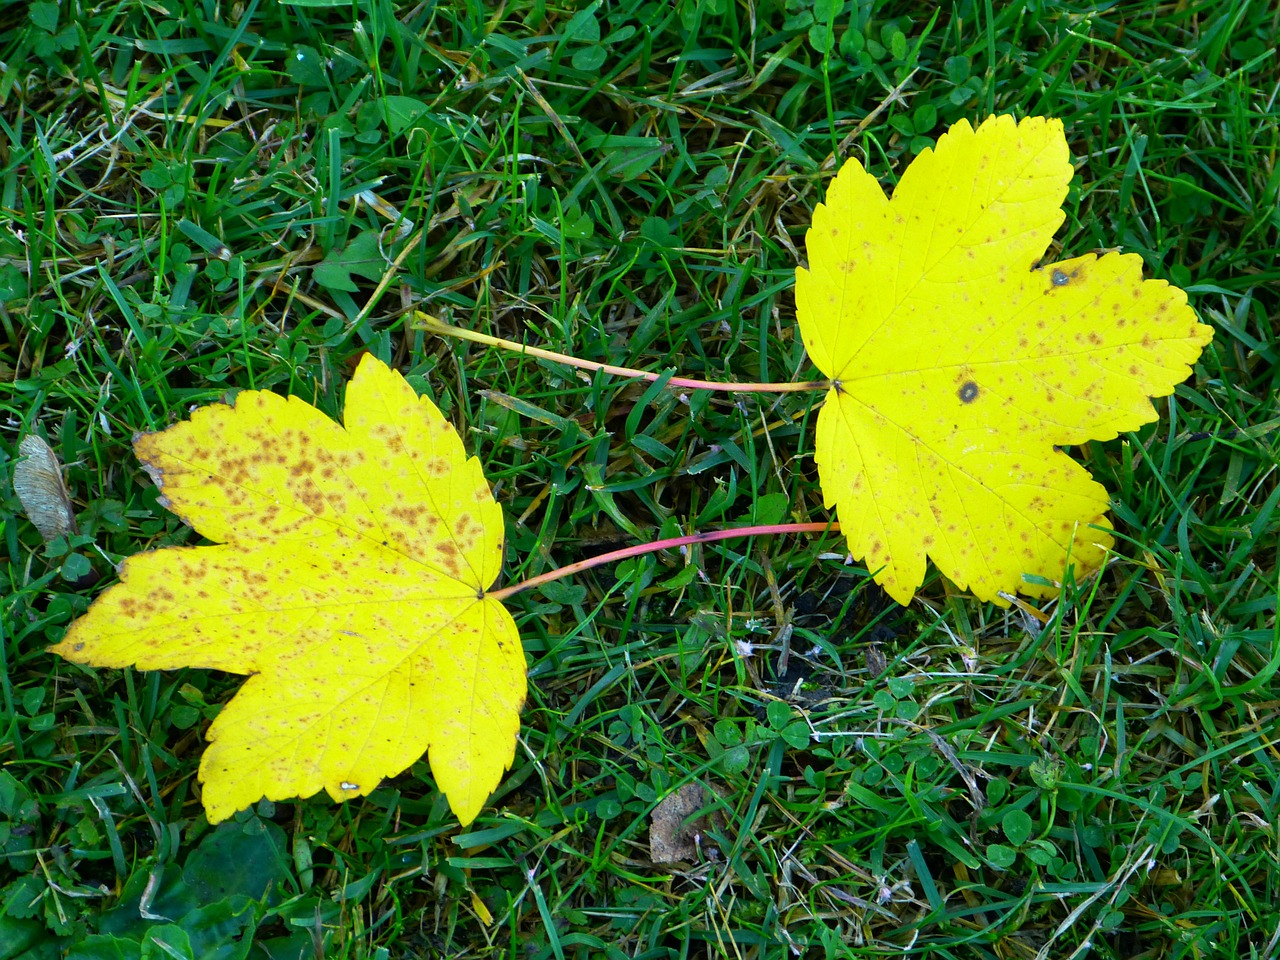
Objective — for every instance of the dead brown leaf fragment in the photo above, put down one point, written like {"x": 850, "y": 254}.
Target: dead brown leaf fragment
{"x": 673, "y": 837}
{"x": 37, "y": 480}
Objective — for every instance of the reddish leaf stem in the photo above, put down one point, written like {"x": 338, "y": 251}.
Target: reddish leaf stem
{"x": 423, "y": 321}
{"x": 640, "y": 549}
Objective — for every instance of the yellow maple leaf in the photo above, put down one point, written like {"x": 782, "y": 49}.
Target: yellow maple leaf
{"x": 348, "y": 580}
{"x": 960, "y": 368}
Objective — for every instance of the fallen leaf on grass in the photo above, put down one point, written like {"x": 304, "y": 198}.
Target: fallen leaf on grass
{"x": 37, "y": 480}
{"x": 961, "y": 367}
{"x": 673, "y": 837}
{"x": 348, "y": 581}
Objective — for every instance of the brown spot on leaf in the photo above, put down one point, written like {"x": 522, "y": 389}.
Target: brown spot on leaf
{"x": 312, "y": 500}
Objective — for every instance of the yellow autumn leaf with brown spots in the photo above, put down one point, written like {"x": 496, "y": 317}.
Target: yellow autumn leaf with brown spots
{"x": 961, "y": 365}
{"x": 347, "y": 581}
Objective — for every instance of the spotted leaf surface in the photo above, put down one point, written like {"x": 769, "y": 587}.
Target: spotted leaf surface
{"x": 348, "y": 581}
{"x": 962, "y": 365}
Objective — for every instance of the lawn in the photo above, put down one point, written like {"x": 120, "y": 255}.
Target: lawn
{"x": 202, "y": 197}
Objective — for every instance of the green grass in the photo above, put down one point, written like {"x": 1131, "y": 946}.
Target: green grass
{"x": 182, "y": 185}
